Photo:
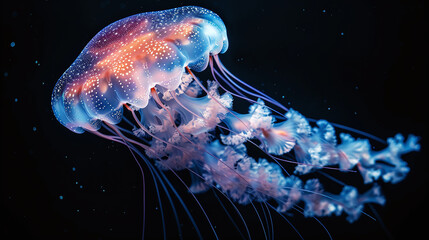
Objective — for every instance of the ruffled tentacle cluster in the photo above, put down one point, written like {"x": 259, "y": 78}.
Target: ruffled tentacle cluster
{"x": 192, "y": 142}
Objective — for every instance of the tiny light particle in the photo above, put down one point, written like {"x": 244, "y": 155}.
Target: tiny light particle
{"x": 61, "y": 197}
{"x": 12, "y": 44}
{"x": 16, "y": 99}
{"x": 34, "y": 129}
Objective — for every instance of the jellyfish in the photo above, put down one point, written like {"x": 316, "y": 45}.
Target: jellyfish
{"x": 136, "y": 83}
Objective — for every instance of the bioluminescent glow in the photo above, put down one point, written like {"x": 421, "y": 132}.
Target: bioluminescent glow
{"x": 145, "y": 65}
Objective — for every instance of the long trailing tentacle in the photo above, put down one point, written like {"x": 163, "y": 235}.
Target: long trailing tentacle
{"x": 284, "y": 218}
{"x": 140, "y": 167}
{"x": 141, "y": 172}
{"x": 238, "y": 94}
{"x": 301, "y": 210}
{"x": 197, "y": 201}
{"x": 230, "y": 201}
{"x": 258, "y": 93}
{"x": 126, "y": 141}
{"x": 228, "y": 214}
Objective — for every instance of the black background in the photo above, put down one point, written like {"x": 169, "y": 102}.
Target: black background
{"x": 372, "y": 77}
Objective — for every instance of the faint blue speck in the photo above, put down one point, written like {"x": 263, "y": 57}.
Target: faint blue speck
{"x": 34, "y": 129}
{"x": 16, "y": 99}
{"x": 5, "y": 74}
{"x": 12, "y": 44}
{"x": 341, "y": 33}
{"x": 61, "y": 197}
{"x": 323, "y": 11}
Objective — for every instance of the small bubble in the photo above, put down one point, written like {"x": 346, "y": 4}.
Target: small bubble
{"x": 61, "y": 197}
{"x": 16, "y": 99}
{"x": 341, "y": 33}
{"x": 323, "y": 11}
{"x": 12, "y": 44}
{"x": 34, "y": 129}
{"x": 73, "y": 169}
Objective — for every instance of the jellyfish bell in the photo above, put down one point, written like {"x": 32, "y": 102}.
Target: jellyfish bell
{"x": 145, "y": 64}
{"x": 129, "y": 57}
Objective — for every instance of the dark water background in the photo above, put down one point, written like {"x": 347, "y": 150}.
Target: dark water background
{"x": 361, "y": 63}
